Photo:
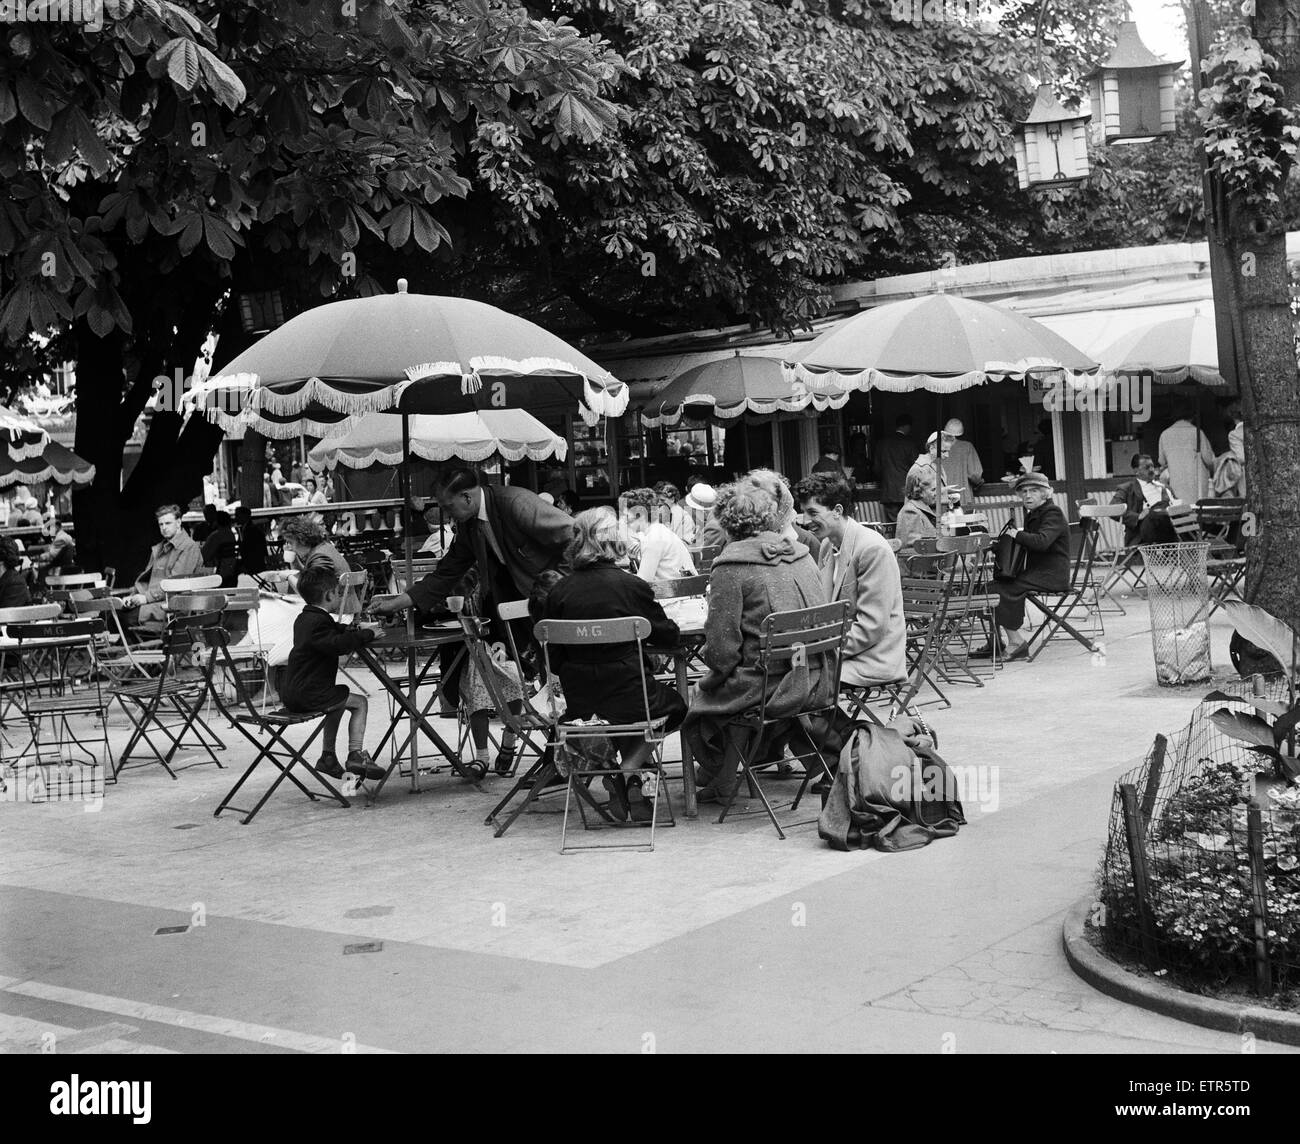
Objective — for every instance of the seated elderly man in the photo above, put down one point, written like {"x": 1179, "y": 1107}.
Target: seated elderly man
{"x": 857, "y": 564}
{"x": 1146, "y": 502}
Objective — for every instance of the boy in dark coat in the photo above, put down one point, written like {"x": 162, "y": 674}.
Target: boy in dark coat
{"x": 310, "y": 677}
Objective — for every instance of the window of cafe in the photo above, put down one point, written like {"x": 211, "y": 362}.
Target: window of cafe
{"x": 667, "y": 454}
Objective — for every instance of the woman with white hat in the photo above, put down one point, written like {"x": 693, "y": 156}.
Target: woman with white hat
{"x": 700, "y": 502}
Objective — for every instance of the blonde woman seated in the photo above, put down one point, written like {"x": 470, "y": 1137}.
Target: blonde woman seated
{"x": 657, "y": 552}
{"x": 787, "y": 523}
{"x": 916, "y": 519}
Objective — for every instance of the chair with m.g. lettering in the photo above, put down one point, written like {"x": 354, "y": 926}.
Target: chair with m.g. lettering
{"x": 71, "y": 709}
{"x": 579, "y": 740}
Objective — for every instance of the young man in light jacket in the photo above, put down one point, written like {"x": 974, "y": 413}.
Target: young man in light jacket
{"x": 858, "y": 565}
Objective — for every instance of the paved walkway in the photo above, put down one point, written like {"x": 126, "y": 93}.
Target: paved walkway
{"x": 724, "y": 938}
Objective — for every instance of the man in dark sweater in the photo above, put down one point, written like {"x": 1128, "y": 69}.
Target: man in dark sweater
{"x": 310, "y": 677}
{"x": 895, "y": 455}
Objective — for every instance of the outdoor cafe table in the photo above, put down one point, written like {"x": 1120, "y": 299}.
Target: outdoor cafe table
{"x": 427, "y": 643}
{"x": 689, "y": 613}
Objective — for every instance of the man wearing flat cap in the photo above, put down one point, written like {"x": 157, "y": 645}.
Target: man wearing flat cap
{"x": 1046, "y": 539}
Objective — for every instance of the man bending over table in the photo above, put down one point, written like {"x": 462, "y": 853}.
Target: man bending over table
{"x": 510, "y": 535}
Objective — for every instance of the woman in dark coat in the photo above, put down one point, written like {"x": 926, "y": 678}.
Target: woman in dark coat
{"x": 1046, "y": 537}
{"x": 14, "y": 592}
{"x": 758, "y": 573}
{"x": 605, "y": 679}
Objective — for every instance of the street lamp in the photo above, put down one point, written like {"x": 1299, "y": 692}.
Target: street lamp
{"x": 1132, "y": 92}
{"x": 1051, "y": 145}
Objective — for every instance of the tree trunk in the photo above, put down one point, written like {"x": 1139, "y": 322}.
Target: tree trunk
{"x": 99, "y": 440}
{"x": 1259, "y": 303}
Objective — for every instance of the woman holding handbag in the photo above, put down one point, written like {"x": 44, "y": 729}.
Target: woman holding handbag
{"x": 1045, "y": 542}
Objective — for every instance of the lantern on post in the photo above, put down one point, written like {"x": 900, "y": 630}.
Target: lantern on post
{"x": 1051, "y": 145}
{"x": 1132, "y": 92}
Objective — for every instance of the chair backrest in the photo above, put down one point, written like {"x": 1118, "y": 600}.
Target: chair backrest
{"x": 622, "y": 629}
{"x": 566, "y": 633}
{"x": 785, "y": 638}
{"x": 1102, "y": 511}
{"x": 79, "y": 580}
{"x": 29, "y": 613}
{"x": 1183, "y": 518}
{"x": 182, "y": 631}
{"x": 703, "y": 556}
{"x": 189, "y": 583}
{"x": 186, "y": 602}
{"x": 242, "y": 599}
{"x": 351, "y": 585}
{"x": 53, "y": 629}
{"x": 682, "y": 586}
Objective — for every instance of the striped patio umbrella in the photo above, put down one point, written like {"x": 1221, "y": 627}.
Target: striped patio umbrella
{"x": 404, "y": 353}
{"x": 376, "y": 439}
{"x": 739, "y": 386}
{"x": 941, "y": 342}
{"x": 55, "y": 462}
{"x": 22, "y": 437}
{"x": 1173, "y": 351}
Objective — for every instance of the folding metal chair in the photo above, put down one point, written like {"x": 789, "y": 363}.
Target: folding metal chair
{"x": 577, "y": 738}
{"x": 169, "y": 704}
{"x": 683, "y": 588}
{"x": 1080, "y": 595}
{"x": 243, "y": 714}
{"x": 788, "y": 640}
{"x": 703, "y": 557}
{"x": 61, "y": 700}
{"x": 525, "y": 724}
{"x": 1225, "y": 565}
{"x": 925, "y": 610}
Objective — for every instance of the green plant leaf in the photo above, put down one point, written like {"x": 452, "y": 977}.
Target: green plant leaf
{"x": 180, "y": 59}
{"x": 1245, "y": 728}
{"x": 1267, "y": 706}
{"x": 1263, "y": 630}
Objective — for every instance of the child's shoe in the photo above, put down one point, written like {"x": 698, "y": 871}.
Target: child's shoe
{"x": 328, "y": 765}
{"x": 359, "y": 764}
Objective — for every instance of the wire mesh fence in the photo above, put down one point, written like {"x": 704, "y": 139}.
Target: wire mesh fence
{"x": 1201, "y": 875}
{"x": 1178, "y": 594}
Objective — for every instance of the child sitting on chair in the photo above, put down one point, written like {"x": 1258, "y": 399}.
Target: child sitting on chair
{"x": 310, "y": 676}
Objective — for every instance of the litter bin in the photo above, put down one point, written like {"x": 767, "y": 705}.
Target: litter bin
{"x": 1179, "y": 594}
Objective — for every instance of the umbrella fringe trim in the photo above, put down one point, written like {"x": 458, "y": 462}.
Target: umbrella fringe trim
{"x": 830, "y": 380}
{"x": 279, "y": 430}
{"x": 322, "y": 393}
{"x": 50, "y": 473}
{"x": 454, "y": 452}
{"x": 819, "y": 401}
{"x": 28, "y": 451}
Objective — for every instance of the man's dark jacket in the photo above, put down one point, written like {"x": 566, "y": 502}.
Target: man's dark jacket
{"x": 531, "y": 534}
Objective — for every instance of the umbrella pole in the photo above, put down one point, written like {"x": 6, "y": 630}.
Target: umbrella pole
{"x": 404, "y": 483}
{"x": 940, "y": 495}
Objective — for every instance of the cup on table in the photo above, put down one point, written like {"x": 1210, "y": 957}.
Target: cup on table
{"x": 455, "y": 604}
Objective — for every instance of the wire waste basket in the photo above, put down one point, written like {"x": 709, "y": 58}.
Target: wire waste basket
{"x": 1178, "y": 592}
